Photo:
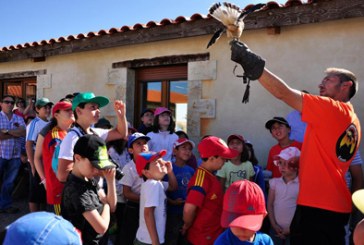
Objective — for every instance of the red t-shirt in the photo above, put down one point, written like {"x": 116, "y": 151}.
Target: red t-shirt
{"x": 204, "y": 191}
{"x": 332, "y": 137}
{"x": 54, "y": 187}
{"x": 274, "y": 151}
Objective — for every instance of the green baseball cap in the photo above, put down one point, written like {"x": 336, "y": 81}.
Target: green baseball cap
{"x": 43, "y": 102}
{"x": 89, "y": 97}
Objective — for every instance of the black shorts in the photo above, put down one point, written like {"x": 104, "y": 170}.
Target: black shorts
{"x": 313, "y": 226}
{"x": 37, "y": 192}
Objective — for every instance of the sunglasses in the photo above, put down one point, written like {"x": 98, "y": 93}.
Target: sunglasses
{"x": 8, "y": 102}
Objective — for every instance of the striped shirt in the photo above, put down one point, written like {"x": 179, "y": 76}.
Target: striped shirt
{"x": 34, "y": 128}
{"x": 10, "y": 148}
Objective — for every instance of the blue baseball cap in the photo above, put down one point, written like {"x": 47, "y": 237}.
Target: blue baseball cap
{"x": 42, "y": 228}
{"x": 135, "y": 136}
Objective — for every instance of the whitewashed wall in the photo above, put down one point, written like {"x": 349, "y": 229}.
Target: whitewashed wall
{"x": 299, "y": 55}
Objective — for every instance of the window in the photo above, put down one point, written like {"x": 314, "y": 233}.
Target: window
{"x": 24, "y": 88}
{"x": 163, "y": 86}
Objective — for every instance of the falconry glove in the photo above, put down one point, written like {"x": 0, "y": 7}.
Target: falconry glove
{"x": 252, "y": 64}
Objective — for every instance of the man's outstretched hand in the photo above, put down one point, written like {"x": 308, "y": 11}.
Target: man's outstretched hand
{"x": 252, "y": 64}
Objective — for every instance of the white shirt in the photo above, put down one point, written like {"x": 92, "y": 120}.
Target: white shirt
{"x": 68, "y": 143}
{"x": 131, "y": 177}
{"x": 162, "y": 141}
{"x": 152, "y": 195}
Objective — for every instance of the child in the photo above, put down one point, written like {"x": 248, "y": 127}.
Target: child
{"x": 162, "y": 136}
{"x": 146, "y": 117}
{"x": 83, "y": 203}
{"x": 41, "y": 228}
{"x": 152, "y": 215}
{"x": 37, "y": 194}
{"x": 137, "y": 143}
{"x": 86, "y": 107}
{"x": 182, "y": 151}
{"x": 203, "y": 206}
{"x": 282, "y": 197}
{"x": 192, "y": 162}
{"x": 243, "y": 214}
{"x": 239, "y": 167}
{"x": 46, "y": 156}
{"x": 280, "y": 130}
{"x": 259, "y": 176}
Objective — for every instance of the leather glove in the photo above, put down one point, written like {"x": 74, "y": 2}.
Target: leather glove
{"x": 252, "y": 64}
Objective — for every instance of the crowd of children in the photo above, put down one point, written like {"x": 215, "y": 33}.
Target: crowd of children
{"x": 164, "y": 194}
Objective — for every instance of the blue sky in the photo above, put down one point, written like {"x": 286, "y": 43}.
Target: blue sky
{"x": 24, "y": 21}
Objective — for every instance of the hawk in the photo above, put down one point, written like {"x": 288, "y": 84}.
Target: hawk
{"x": 232, "y": 17}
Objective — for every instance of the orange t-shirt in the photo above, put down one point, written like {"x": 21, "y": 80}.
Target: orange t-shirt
{"x": 332, "y": 137}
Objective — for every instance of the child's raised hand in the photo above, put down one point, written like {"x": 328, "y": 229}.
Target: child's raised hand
{"x": 169, "y": 167}
{"x": 109, "y": 174}
{"x": 120, "y": 108}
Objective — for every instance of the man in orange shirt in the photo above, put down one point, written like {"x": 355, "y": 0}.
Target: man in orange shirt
{"x": 331, "y": 140}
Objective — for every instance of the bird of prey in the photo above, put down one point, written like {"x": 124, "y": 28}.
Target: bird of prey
{"x": 232, "y": 17}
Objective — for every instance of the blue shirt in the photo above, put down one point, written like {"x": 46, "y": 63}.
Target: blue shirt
{"x": 298, "y": 127}
{"x": 228, "y": 238}
{"x": 183, "y": 176}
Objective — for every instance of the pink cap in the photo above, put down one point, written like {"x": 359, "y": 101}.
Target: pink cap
{"x": 214, "y": 146}
{"x": 244, "y": 206}
{"x": 289, "y": 153}
{"x": 160, "y": 110}
{"x": 182, "y": 141}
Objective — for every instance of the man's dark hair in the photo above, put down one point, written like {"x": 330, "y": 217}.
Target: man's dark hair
{"x": 8, "y": 96}
{"x": 344, "y": 76}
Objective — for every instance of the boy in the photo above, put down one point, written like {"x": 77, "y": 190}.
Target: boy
{"x": 243, "y": 214}
{"x": 147, "y": 118}
{"x": 203, "y": 207}
{"x": 280, "y": 130}
{"x": 137, "y": 143}
{"x": 41, "y": 228}
{"x": 86, "y": 107}
{"x": 83, "y": 203}
{"x": 182, "y": 151}
{"x": 37, "y": 194}
{"x": 282, "y": 197}
{"x": 152, "y": 214}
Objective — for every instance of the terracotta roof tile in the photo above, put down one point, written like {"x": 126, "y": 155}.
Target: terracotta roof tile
{"x": 291, "y": 3}
{"x": 125, "y": 29}
{"x": 150, "y": 24}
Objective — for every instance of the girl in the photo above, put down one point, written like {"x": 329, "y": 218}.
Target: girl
{"x": 238, "y": 168}
{"x": 46, "y": 151}
{"x": 162, "y": 136}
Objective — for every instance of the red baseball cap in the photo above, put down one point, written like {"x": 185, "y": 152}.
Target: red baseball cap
{"x": 160, "y": 110}
{"x": 214, "y": 146}
{"x": 63, "y": 105}
{"x": 182, "y": 141}
{"x": 244, "y": 206}
{"x": 235, "y": 136}
{"x": 146, "y": 157}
